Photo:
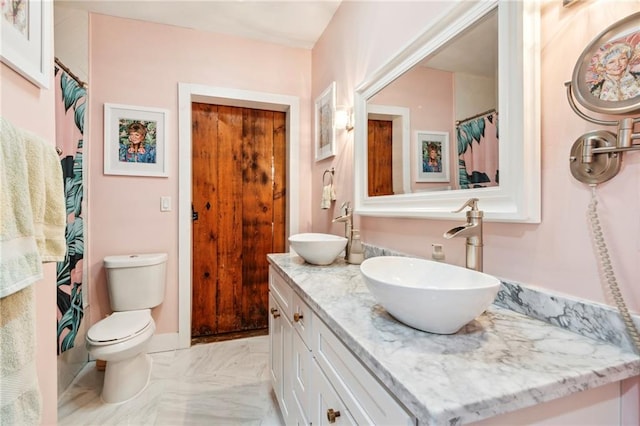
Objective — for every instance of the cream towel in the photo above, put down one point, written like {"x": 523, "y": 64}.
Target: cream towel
{"x": 20, "y": 400}
{"x": 32, "y": 208}
{"x": 46, "y": 191}
{"x": 326, "y": 197}
{"x": 20, "y": 263}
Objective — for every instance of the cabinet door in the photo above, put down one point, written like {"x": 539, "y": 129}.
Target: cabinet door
{"x": 280, "y": 355}
{"x": 328, "y": 408}
{"x": 301, "y": 374}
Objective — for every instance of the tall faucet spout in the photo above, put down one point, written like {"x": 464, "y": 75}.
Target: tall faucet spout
{"x": 343, "y": 218}
{"x": 347, "y": 219}
{"x": 472, "y": 231}
{"x": 461, "y": 231}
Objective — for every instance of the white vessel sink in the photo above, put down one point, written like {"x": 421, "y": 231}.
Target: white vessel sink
{"x": 428, "y": 295}
{"x": 316, "y": 248}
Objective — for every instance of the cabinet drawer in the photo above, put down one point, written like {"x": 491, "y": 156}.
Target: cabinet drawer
{"x": 302, "y": 319}
{"x": 281, "y": 291}
{"x": 328, "y": 407}
{"x": 369, "y": 402}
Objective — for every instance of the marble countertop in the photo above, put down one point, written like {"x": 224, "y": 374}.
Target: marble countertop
{"x": 498, "y": 363}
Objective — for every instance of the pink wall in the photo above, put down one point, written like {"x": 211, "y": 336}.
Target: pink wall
{"x": 139, "y": 63}
{"x": 30, "y": 108}
{"x": 556, "y": 254}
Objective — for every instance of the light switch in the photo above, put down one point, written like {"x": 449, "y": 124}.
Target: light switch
{"x": 165, "y": 203}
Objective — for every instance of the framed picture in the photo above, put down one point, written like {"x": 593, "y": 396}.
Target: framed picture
{"x": 433, "y": 156}
{"x": 606, "y": 78}
{"x": 25, "y": 30}
{"x": 325, "y": 108}
{"x": 135, "y": 140}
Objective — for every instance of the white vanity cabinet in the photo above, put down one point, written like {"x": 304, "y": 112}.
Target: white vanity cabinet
{"x": 338, "y": 359}
{"x": 316, "y": 379}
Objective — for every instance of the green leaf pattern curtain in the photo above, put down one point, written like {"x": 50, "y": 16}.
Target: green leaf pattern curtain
{"x": 477, "y": 141}
{"x": 71, "y": 101}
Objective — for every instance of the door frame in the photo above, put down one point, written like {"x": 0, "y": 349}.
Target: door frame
{"x": 188, "y": 93}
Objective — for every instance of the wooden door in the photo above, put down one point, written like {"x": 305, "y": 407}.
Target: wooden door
{"x": 380, "y": 157}
{"x": 238, "y": 191}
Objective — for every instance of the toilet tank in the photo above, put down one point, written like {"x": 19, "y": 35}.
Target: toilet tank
{"x": 136, "y": 281}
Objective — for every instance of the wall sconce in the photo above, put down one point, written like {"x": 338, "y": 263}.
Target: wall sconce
{"x": 344, "y": 119}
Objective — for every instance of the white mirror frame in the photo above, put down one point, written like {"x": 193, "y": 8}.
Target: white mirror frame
{"x": 517, "y": 198}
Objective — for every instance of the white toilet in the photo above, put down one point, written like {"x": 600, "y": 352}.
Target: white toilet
{"x": 136, "y": 283}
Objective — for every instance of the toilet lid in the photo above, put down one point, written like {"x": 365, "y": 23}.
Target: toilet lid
{"x": 120, "y": 326}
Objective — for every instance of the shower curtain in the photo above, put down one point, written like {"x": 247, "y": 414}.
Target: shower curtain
{"x": 478, "y": 163}
{"x": 71, "y": 101}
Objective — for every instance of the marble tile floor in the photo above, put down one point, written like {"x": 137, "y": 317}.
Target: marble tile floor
{"x": 222, "y": 383}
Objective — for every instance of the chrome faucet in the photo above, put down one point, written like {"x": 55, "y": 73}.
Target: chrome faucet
{"x": 347, "y": 218}
{"x": 472, "y": 231}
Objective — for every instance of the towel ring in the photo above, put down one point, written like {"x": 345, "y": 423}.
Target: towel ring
{"x": 331, "y": 172}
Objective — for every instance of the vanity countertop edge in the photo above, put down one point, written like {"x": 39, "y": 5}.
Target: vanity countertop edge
{"x": 501, "y": 362}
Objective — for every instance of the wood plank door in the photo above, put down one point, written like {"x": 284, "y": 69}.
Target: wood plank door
{"x": 238, "y": 192}
{"x": 380, "y": 157}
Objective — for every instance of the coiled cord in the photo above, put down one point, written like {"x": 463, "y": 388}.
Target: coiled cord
{"x": 607, "y": 269}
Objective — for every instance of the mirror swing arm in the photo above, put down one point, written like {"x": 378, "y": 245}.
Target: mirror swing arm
{"x": 517, "y": 198}
{"x": 596, "y": 156}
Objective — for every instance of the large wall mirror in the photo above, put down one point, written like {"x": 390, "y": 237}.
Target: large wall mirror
{"x": 454, "y": 116}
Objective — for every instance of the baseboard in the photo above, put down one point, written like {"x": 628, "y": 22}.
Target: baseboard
{"x": 163, "y": 342}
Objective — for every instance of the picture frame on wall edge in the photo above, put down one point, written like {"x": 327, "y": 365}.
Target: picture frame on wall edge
{"x": 325, "y": 134}
{"x": 26, "y": 33}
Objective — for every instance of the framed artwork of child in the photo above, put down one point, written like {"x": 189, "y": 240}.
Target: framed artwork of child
{"x": 433, "y": 156}
{"x": 135, "y": 141}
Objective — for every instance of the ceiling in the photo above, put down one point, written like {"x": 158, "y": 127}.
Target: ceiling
{"x": 295, "y": 23}
{"x": 473, "y": 51}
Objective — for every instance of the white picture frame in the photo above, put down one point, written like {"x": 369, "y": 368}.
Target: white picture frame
{"x": 426, "y": 142}
{"x": 26, "y": 31}
{"x": 325, "y": 132}
{"x": 147, "y": 157}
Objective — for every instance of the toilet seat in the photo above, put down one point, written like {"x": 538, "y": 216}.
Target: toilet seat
{"x": 119, "y": 327}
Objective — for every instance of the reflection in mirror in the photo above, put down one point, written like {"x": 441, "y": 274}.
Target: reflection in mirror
{"x": 454, "y": 91}
{"x": 388, "y": 138}
{"x": 427, "y": 131}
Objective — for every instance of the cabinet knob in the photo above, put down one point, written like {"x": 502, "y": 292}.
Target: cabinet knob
{"x": 332, "y": 414}
{"x": 275, "y": 313}
{"x": 297, "y": 317}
